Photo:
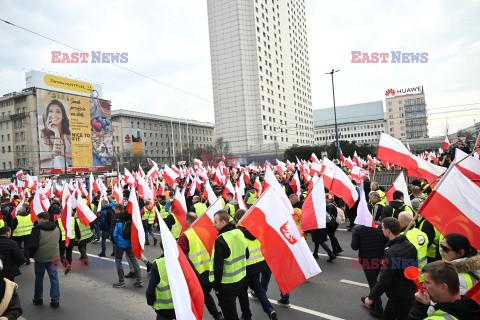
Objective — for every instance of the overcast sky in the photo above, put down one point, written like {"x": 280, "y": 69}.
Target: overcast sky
{"x": 169, "y": 42}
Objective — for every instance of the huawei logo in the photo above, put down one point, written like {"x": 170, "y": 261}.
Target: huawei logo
{"x": 288, "y": 234}
{"x": 390, "y": 92}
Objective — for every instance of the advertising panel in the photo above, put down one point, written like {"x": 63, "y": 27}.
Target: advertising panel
{"x": 73, "y": 130}
{"x": 137, "y": 142}
{"x": 47, "y": 81}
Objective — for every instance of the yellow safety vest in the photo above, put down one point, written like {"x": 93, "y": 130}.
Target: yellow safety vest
{"x": 432, "y": 248}
{"x": 197, "y": 252}
{"x": 176, "y": 228}
{"x": 470, "y": 278}
{"x": 62, "y": 229}
{"x": 234, "y": 267}
{"x": 199, "y": 208}
{"x": 441, "y": 315}
{"x": 163, "y": 213}
{"x": 230, "y": 210}
{"x": 420, "y": 240}
{"x": 383, "y": 199}
{"x": 149, "y": 215}
{"x": 254, "y": 252}
{"x": 2, "y": 223}
{"x": 252, "y": 197}
{"x": 85, "y": 232}
{"x": 163, "y": 295}
{"x": 24, "y": 226}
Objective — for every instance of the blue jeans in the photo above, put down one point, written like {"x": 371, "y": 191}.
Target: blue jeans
{"x": 371, "y": 275}
{"x": 253, "y": 282}
{"x": 40, "y": 268}
{"x": 149, "y": 230}
{"x": 95, "y": 227}
{"x": 105, "y": 234}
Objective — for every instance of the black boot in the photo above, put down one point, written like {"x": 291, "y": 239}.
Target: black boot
{"x": 331, "y": 256}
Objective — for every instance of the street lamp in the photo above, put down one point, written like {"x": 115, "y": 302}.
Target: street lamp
{"x": 335, "y": 113}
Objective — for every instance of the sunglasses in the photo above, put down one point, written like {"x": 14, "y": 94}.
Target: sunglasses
{"x": 445, "y": 249}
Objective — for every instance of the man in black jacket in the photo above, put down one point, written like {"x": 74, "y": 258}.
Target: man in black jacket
{"x": 11, "y": 253}
{"x": 396, "y": 206}
{"x": 370, "y": 243}
{"x": 399, "y": 254}
{"x": 442, "y": 286}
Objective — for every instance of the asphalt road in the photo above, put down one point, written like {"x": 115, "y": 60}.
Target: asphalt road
{"x": 87, "y": 293}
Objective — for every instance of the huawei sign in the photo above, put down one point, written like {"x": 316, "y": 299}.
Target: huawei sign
{"x": 390, "y": 92}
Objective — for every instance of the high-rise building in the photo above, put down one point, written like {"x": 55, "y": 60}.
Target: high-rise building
{"x": 260, "y": 74}
{"x": 405, "y": 113}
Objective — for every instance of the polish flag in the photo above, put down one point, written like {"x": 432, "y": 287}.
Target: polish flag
{"x": 474, "y": 292}
{"x": 39, "y": 204}
{"x": 315, "y": 169}
{"x": 239, "y": 198}
{"x": 408, "y": 148}
{"x": 187, "y": 296}
{"x": 281, "y": 167}
{"x": 93, "y": 183}
{"x": 314, "y": 209}
{"x": 469, "y": 166}
{"x": 246, "y": 177}
{"x": 197, "y": 163}
{"x": 118, "y": 194}
{"x": 129, "y": 179}
{"x": 393, "y": 151}
{"x": 144, "y": 190}
{"x": 343, "y": 188}
{"x": 446, "y": 144}
{"x": 169, "y": 176}
{"x": 355, "y": 159}
{"x": 203, "y": 226}
{"x": 67, "y": 215}
{"x": 283, "y": 247}
{"x": 228, "y": 188}
{"x": 295, "y": 184}
{"x": 328, "y": 171}
{"x": 314, "y": 158}
{"x": 20, "y": 204}
{"x": 364, "y": 217}
{"x": 399, "y": 184}
{"x": 425, "y": 170}
{"x": 257, "y": 185}
{"x": 209, "y": 194}
{"x": 138, "y": 234}
{"x": 85, "y": 215}
{"x": 19, "y": 174}
{"x": 153, "y": 172}
{"x": 349, "y": 163}
{"x": 140, "y": 171}
{"x": 271, "y": 180}
{"x": 452, "y": 207}
{"x": 342, "y": 158}
{"x": 179, "y": 208}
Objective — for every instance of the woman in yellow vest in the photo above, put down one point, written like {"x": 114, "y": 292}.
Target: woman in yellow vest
{"x": 148, "y": 219}
{"x": 456, "y": 248}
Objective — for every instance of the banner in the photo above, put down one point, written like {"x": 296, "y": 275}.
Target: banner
{"x": 74, "y": 131}
{"x": 137, "y": 142}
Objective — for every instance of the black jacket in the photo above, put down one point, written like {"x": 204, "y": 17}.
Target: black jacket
{"x": 256, "y": 267}
{"x": 12, "y": 257}
{"x": 54, "y": 209}
{"x": 222, "y": 251}
{"x": 392, "y": 209}
{"x": 463, "y": 309}
{"x": 7, "y": 214}
{"x": 370, "y": 242}
{"x": 151, "y": 295}
{"x": 399, "y": 254}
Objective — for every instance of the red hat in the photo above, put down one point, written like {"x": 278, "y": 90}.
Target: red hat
{"x": 328, "y": 196}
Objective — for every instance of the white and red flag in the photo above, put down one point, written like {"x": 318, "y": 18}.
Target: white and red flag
{"x": 283, "y": 247}
{"x": 314, "y": 209}
{"x": 452, "y": 207}
{"x": 314, "y": 158}
{"x": 446, "y": 144}
{"x": 228, "y": 188}
{"x": 19, "y": 174}
{"x": 468, "y": 165}
{"x": 295, "y": 184}
{"x": 137, "y": 234}
{"x": 85, "y": 215}
{"x": 356, "y": 159}
{"x": 208, "y": 193}
{"x": 401, "y": 185}
{"x": 20, "y": 204}
{"x": 343, "y": 188}
{"x": 187, "y": 295}
{"x": 144, "y": 190}
{"x": 169, "y": 176}
{"x": 425, "y": 170}
{"x": 179, "y": 208}
{"x": 257, "y": 185}
{"x": 203, "y": 226}
{"x": 129, "y": 179}
{"x": 239, "y": 198}
{"x": 393, "y": 151}
{"x": 118, "y": 194}
{"x": 364, "y": 217}
{"x": 39, "y": 204}
{"x": 66, "y": 216}
{"x": 328, "y": 171}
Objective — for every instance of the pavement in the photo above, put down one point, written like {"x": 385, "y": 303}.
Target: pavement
{"x": 87, "y": 293}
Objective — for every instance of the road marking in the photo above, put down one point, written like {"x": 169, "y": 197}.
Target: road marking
{"x": 360, "y": 284}
{"x": 341, "y": 229}
{"x": 313, "y": 312}
{"x": 338, "y": 257}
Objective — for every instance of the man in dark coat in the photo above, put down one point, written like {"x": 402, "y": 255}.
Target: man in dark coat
{"x": 399, "y": 254}
{"x": 11, "y": 253}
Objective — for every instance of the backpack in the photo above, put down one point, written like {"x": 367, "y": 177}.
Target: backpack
{"x": 127, "y": 230}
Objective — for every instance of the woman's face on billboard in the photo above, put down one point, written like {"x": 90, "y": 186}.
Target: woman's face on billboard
{"x": 54, "y": 116}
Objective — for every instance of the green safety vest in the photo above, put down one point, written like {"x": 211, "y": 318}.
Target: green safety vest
{"x": 24, "y": 227}
{"x": 199, "y": 208}
{"x": 230, "y": 210}
{"x": 85, "y": 232}
{"x": 176, "y": 228}
{"x": 254, "y": 251}
{"x": 403, "y": 207}
{"x": 441, "y": 315}
{"x": 197, "y": 252}
{"x": 163, "y": 213}
{"x": 252, "y": 197}
{"x": 2, "y": 223}
{"x": 432, "y": 248}
{"x": 163, "y": 295}
{"x": 304, "y": 195}
{"x": 234, "y": 267}
{"x": 149, "y": 215}
{"x": 420, "y": 240}
{"x": 383, "y": 199}
{"x": 470, "y": 278}
{"x": 62, "y": 229}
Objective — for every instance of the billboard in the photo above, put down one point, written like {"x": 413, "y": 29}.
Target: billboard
{"x": 56, "y": 83}
{"x": 73, "y": 130}
{"x": 137, "y": 142}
